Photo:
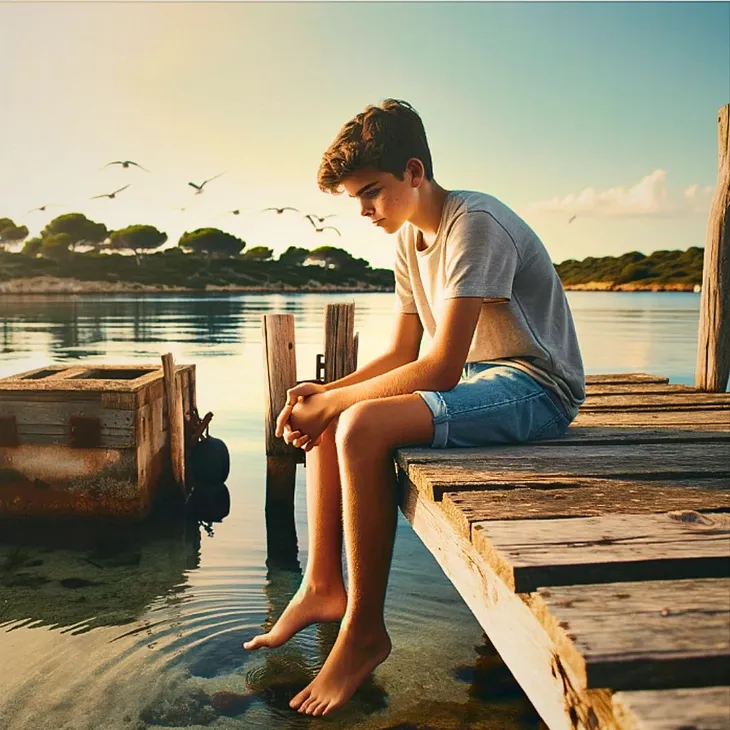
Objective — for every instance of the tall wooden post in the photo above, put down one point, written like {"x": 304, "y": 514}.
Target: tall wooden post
{"x": 713, "y": 347}
{"x": 175, "y": 421}
{"x": 340, "y": 341}
{"x": 280, "y": 369}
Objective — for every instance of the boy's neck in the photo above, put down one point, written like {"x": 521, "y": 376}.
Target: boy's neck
{"x": 428, "y": 215}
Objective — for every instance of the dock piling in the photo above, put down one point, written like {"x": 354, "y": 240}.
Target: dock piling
{"x": 713, "y": 346}
{"x": 175, "y": 421}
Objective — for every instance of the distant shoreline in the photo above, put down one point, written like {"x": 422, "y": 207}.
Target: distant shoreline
{"x": 56, "y": 285}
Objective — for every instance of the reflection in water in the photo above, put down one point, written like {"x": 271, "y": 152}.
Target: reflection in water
{"x": 85, "y": 575}
{"x": 143, "y": 628}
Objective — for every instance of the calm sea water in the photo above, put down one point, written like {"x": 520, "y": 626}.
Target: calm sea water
{"x": 143, "y": 629}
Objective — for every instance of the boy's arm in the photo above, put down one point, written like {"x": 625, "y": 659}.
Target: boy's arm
{"x": 404, "y": 346}
{"x": 440, "y": 369}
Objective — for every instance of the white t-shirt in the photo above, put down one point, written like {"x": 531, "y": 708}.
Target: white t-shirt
{"x": 484, "y": 249}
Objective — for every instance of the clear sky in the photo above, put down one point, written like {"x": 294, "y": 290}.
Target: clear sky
{"x": 605, "y": 111}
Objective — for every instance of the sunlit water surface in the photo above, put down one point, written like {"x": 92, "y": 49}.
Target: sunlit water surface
{"x": 144, "y": 629}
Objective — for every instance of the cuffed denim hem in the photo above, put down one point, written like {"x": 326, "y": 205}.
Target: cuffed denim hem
{"x": 494, "y": 404}
{"x": 437, "y": 405}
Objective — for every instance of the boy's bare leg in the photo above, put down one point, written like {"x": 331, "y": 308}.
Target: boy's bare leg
{"x": 367, "y": 434}
{"x": 321, "y": 596}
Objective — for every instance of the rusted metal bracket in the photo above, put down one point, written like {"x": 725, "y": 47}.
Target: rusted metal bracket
{"x": 8, "y": 431}
{"x": 84, "y": 432}
{"x": 195, "y": 426}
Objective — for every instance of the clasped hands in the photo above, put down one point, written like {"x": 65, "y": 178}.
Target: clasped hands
{"x": 308, "y": 411}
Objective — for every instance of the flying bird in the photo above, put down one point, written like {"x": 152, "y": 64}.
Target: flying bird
{"x": 319, "y": 218}
{"x": 125, "y": 164}
{"x": 43, "y": 207}
{"x": 572, "y": 218}
{"x": 111, "y": 196}
{"x": 324, "y": 228}
{"x": 199, "y": 188}
{"x": 235, "y": 211}
{"x": 279, "y": 211}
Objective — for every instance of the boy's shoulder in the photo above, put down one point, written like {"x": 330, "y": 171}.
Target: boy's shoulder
{"x": 459, "y": 202}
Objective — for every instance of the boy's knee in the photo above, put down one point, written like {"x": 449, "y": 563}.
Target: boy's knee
{"x": 357, "y": 423}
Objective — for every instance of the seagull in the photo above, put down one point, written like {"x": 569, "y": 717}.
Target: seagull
{"x": 571, "y": 219}
{"x": 199, "y": 188}
{"x": 125, "y": 164}
{"x": 320, "y": 218}
{"x": 43, "y": 207}
{"x": 279, "y": 211}
{"x": 314, "y": 219}
{"x": 111, "y": 196}
{"x": 324, "y": 228}
{"x": 235, "y": 211}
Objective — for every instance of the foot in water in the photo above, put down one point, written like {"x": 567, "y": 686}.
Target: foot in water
{"x": 352, "y": 658}
{"x": 307, "y": 607}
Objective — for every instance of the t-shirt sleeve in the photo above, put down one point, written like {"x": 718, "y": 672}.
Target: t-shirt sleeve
{"x": 481, "y": 258}
{"x": 404, "y": 301}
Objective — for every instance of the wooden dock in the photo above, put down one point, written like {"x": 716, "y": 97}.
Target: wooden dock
{"x": 598, "y": 564}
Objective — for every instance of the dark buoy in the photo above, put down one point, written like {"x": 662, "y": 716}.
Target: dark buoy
{"x": 211, "y": 503}
{"x": 210, "y": 461}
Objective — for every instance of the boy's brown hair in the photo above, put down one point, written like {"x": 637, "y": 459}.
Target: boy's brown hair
{"x": 384, "y": 137}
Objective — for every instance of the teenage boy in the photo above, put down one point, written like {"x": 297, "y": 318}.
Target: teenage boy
{"x": 504, "y": 367}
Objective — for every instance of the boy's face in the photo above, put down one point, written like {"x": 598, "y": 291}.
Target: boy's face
{"x": 387, "y": 201}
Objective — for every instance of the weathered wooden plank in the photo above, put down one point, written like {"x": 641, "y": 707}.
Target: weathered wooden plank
{"x": 555, "y": 686}
{"x": 532, "y": 553}
{"x": 696, "y": 420}
{"x": 596, "y": 391}
{"x": 581, "y": 498}
{"x": 671, "y": 401}
{"x": 703, "y": 708}
{"x": 591, "y": 435}
{"x": 655, "y": 634}
{"x": 623, "y": 378}
{"x": 435, "y": 471}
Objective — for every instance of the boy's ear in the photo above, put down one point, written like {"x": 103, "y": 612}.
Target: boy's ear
{"x": 418, "y": 172}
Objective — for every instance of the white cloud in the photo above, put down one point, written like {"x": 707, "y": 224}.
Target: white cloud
{"x": 649, "y": 198}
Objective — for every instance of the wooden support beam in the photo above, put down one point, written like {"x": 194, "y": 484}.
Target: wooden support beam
{"x": 176, "y": 422}
{"x": 340, "y": 343}
{"x": 280, "y": 371}
{"x": 713, "y": 347}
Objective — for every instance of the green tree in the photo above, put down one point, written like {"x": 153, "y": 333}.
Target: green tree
{"x": 56, "y": 247}
{"x": 259, "y": 253}
{"x": 338, "y": 258}
{"x": 211, "y": 242}
{"x": 137, "y": 238}
{"x": 293, "y": 256}
{"x": 10, "y": 233}
{"x": 79, "y": 229}
{"x": 32, "y": 247}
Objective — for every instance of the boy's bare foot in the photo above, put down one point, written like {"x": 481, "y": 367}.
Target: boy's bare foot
{"x": 352, "y": 658}
{"x": 308, "y": 606}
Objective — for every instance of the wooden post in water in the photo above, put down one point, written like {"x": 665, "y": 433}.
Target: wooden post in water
{"x": 280, "y": 369}
{"x": 175, "y": 422}
{"x": 713, "y": 347}
{"x": 340, "y": 341}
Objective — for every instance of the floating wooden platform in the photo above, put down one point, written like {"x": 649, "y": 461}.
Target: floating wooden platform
{"x": 89, "y": 440}
{"x": 598, "y": 564}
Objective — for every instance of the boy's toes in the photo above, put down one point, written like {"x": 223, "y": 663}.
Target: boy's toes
{"x": 256, "y": 642}
{"x": 297, "y": 701}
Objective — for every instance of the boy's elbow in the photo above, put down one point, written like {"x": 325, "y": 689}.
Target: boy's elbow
{"x": 445, "y": 376}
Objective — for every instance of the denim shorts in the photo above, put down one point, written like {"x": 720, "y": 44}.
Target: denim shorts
{"x": 494, "y": 404}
